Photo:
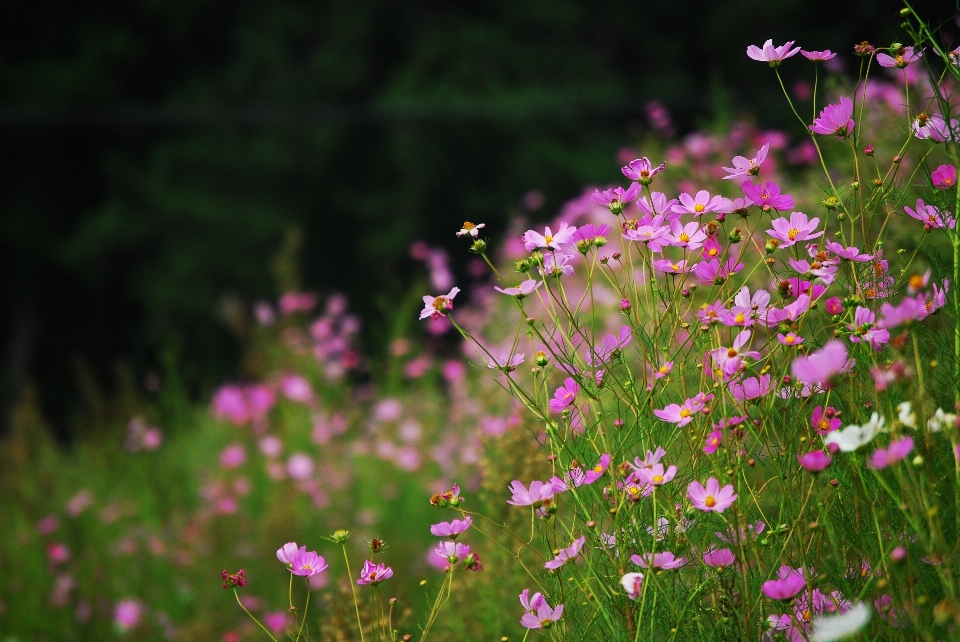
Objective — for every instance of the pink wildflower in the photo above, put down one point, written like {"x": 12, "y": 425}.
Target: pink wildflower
{"x": 814, "y": 461}
{"x": 307, "y": 563}
{"x": 825, "y": 421}
{"x": 935, "y": 128}
{"x": 750, "y": 531}
{"x": 566, "y": 554}
{"x": 543, "y": 618}
{"x": 900, "y": 59}
{"x": 896, "y": 451}
{"x": 453, "y": 552}
{"x": 530, "y": 604}
{"x": 797, "y": 228}
{"x": 823, "y": 365}
{"x": 471, "y": 229}
{"x": 538, "y": 493}
{"x": 743, "y": 167}
{"x": 632, "y": 583}
{"x": 835, "y": 119}
{"x": 549, "y": 240}
{"x": 703, "y": 204}
{"x": 931, "y": 217}
{"x": 526, "y": 288}
{"x": 909, "y": 309}
{"x": 642, "y": 170}
{"x": 372, "y": 574}
{"x": 719, "y": 558}
{"x": 126, "y": 614}
{"x": 713, "y": 272}
{"x": 834, "y": 305}
{"x": 233, "y": 456}
{"x": 770, "y": 54}
{"x": 564, "y": 395}
{"x": 818, "y": 56}
{"x": 864, "y": 329}
{"x": 436, "y": 307}
{"x": 712, "y": 498}
{"x": 767, "y": 195}
{"x": 789, "y": 582}
{"x": 789, "y": 339}
{"x": 848, "y": 253}
{"x": 452, "y": 528}
{"x": 689, "y": 236}
{"x": 656, "y": 475}
{"x": 713, "y": 441}
{"x": 597, "y": 471}
{"x": 616, "y": 199}
{"x": 506, "y": 362}
{"x": 288, "y": 552}
{"x": 649, "y": 460}
{"x": 666, "y": 560}
{"x": 677, "y": 414}
{"x": 752, "y": 388}
{"x": 944, "y": 177}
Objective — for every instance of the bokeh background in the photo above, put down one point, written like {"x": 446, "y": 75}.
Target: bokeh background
{"x": 163, "y": 161}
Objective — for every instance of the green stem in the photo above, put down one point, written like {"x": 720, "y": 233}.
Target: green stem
{"x": 353, "y": 590}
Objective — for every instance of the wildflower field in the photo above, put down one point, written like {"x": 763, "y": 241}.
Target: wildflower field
{"x": 716, "y": 401}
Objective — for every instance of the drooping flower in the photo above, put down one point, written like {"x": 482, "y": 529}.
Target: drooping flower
{"x": 564, "y": 395}
{"x": 821, "y": 366}
{"x": 747, "y": 167}
{"x": 770, "y": 54}
{"x": 944, "y": 177}
{"x": 930, "y": 216}
{"x": 451, "y": 551}
{"x": 835, "y": 119}
{"x": 789, "y": 582}
{"x": 895, "y": 452}
{"x": 526, "y": 288}
{"x": 436, "y": 307}
{"x": 452, "y": 528}
{"x": 307, "y": 563}
{"x": 910, "y": 309}
{"x": 665, "y": 560}
{"x": 372, "y": 574}
{"x": 712, "y": 498}
{"x": 549, "y": 239}
{"x": 506, "y": 362}
{"x": 642, "y": 170}
{"x": 530, "y": 604}
{"x": 471, "y": 229}
{"x": 797, "y": 228}
{"x": 847, "y": 253}
{"x": 767, "y": 195}
{"x": 543, "y": 618}
{"x": 901, "y": 58}
{"x": 538, "y": 493}
{"x": 566, "y": 554}
{"x": 719, "y": 557}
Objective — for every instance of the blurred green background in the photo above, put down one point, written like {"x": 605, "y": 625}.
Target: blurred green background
{"x": 158, "y": 156}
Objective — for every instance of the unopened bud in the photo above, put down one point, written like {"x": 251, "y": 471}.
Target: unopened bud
{"x": 878, "y": 182}
{"x": 540, "y": 358}
{"x": 771, "y": 246}
{"x": 625, "y": 305}
{"x": 340, "y": 536}
{"x": 523, "y": 265}
{"x": 616, "y": 256}
{"x": 479, "y": 246}
{"x": 918, "y": 461}
{"x": 855, "y": 185}
{"x": 868, "y": 150}
{"x": 735, "y": 236}
{"x": 897, "y": 158}
{"x": 721, "y": 217}
{"x": 685, "y": 293}
{"x": 831, "y": 203}
{"x": 841, "y": 216}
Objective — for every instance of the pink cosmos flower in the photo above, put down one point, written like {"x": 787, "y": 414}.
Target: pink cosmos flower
{"x": 573, "y": 478}
{"x": 307, "y": 563}
{"x": 550, "y": 240}
{"x": 556, "y": 264}
{"x": 821, "y": 366}
{"x": 752, "y": 388}
{"x": 530, "y": 604}
{"x": 944, "y": 177}
{"x": 789, "y": 582}
{"x": 666, "y": 560}
{"x": 453, "y": 552}
{"x": 538, "y": 493}
{"x": 506, "y": 362}
{"x": 566, "y": 554}
{"x": 663, "y": 370}
{"x": 750, "y": 531}
{"x": 689, "y": 236}
{"x": 372, "y": 574}
{"x": 719, "y": 558}
{"x": 651, "y": 231}
{"x": 632, "y": 583}
{"x": 834, "y": 305}
{"x": 233, "y": 456}
{"x": 789, "y": 339}
{"x": 296, "y": 388}
{"x": 641, "y": 170}
{"x": 770, "y": 54}
{"x": 743, "y": 167}
{"x": 825, "y": 421}
{"x": 649, "y": 460}
{"x": 797, "y": 228}
{"x": 543, "y": 618}
{"x": 658, "y": 205}
{"x": 591, "y": 234}
{"x": 677, "y": 414}
{"x": 835, "y": 120}
{"x": 848, "y": 253}
{"x": 818, "y": 56}
{"x": 564, "y": 395}
{"x": 526, "y": 288}
{"x": 896, "y": 451}
{"x": 909, "y": 309}
{"x": 935, "y": 128}
{"x": 300, "y": 466}
{"x": 711, "y": 248}
{"x": 712, "y": 498}
{"x": 615, "y": 199}
{"x": 471, "y": 229}
{"x": 864, "y": 329}
{"x": 288, "y": 552}
{"x": 713, "y": 441}
{"x": 452, "y": 528}
{"x": 900, "y": 60}
{"x": 931, "y": 217}
{"x": 436, "y": 307}
{"x": 611, "y": 346}
{"x": 767, "y": 196}
{"x": 713, "y": 272}
{"x": 597, "y": 471}
{"x": 703, "y": 204}
{"x": 814, "y": 461}
{"x": 656, "y": 475}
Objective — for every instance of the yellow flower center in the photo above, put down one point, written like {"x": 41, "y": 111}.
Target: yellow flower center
{"x": 674, "y": 267}
{"x": 468, "y": 226}
{"x": 548, "y": 239}
{"x": 731, "y": 353}
{"x": 790, "y": 339}
{"x": 657, "y": 479}
{"x": 439, "y": 303}
{"x": 916, "y": 281}
{"x": 685, "y": 412}
{"x": 664, "y": 369}
{"x": 823, "y": 424}
{"x": 598, "y": 468}
{"x": 792, "y": 234}
{"x": 739, "y": 318}
{"x": 712, "y": 252}
{"x": 710, "y": 502}
{"x": 699, "y": 208}
{"x": 633, "y": 490}
{"x": 684, "y": 237}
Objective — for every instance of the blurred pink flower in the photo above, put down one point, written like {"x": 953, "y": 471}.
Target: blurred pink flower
{"x": 665, "y": 560}
{"x": 299, "y": 466}
{"x": 719, "y": 558}
{"x": 276, "y": 621}
{"x": 48, "y": 525}
{"x": 58, "y": 553}
{"x": 821, "y": 366}
{"x": 233, "y": 456}
{"x": 435, "y": 307}
{"x": 126, "y": 614}
{"x": 452, "y": 528}
{"x": 296, "y": 302}
{"x": 895, "y": 452}
{"x": 814, "y": 461}
{"x": 296, "y": 388}
{"x": 789, "y": 582}
{"x": 566, "y": 554}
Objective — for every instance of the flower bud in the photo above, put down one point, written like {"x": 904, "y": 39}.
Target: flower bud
{"x": 831, "y": 203}
{"x": 878, "y": 182}
{"x": 375, "y": 545}
{"x": 721, "y": 217}
{"x": 735, "y": 236}
{"x": 523, "y": 265}
{"x": 712, "y": 228}
{"x": 868, "y": 150}
{"x": 771, "y": 246}
{"x": 685, "y": 293}
{"x": 897, "y": 158}
{"x": 540, "y": 358}
{"x": 616, "y": 256}
{"x": 918, "y": 461}
{"x": 855, "y": 185}
{"x": 841, "y": 216}
{"x": 625, "y": 305}
{"x": 479, "y": 246}
{"x": 340, "y": 536}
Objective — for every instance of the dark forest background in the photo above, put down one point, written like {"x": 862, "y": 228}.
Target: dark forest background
{"x": 157, "y": 155}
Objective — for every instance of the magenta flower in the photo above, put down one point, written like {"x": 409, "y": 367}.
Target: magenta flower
{"x": 770, "y": 54}
{"x": 453, "y": 528}
{"x": 713, "y": 441}
{"x": 506, "y": 362}
{"x": 612, "y": 346}
{"x": 436, "y": 307}
{"x": 564, "y": 395}
{"x": 935, "y": 128}
{"x": 821, "y": 366}
{"x": 814, "y": 461}
{"x": 233, "y": 456}
{"x": 543, "y": 618}
{"x": 676, "y": 414}
{"x": 931, "y": 217}
{"x": 747, "y": 167}
{"x": 549, "y": 240}
{"x": 825, "y": 421}
{"x": 530, "y": 604}
{"x": 848, "y": 253}
{"x": 453, "y": 552}
{"x": 288, "y": 552}
{"x": 751, "y": 388}
{"x": 864, "y": 329}
{"x": 307, "y": 563}
{"x": 526, "y": 288}
{"x": 797, "y": 228}
{"x": 649, "y": 460}
{"x": 789, "y": 582}
{"x": 713, "y": 272}
{"x": 572, "y": 479}
{"x": 835, "y": 120}
{"x": 658, "y": 205}
{"x": 538, "y": 493}
{"x": 615, "y": 199}
{"x": 712, "y": 498}
{"x": 719, "y": 558}
{"x": 597, "y": 471}
{"x": 818, "y": 56}
{"x": 909, "y": 310}
{"x": 703, "y": 204}
{"x": 901, "y": 59}
{"x": 944, "y": 177}
{"x": 642, "y": 171}
{"x": 126, "y": 614}
{"x": 632, "y": 583}
{"x": 566, "y": 554}
{"x": 373, "y": 574}
{"x": 591, "y": 234}
{"x": 666, "y": 560}
{"x": 833, "y": 305}
{"x": 896, "y": 451}
{"x": 767, "y": 195}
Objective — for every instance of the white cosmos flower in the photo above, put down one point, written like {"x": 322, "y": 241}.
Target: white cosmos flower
{"x": 852, "y": 437}
{"x": 906, "y": 415}
{"x": 941, "y": 420}
{"x": 837, "y": 627}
